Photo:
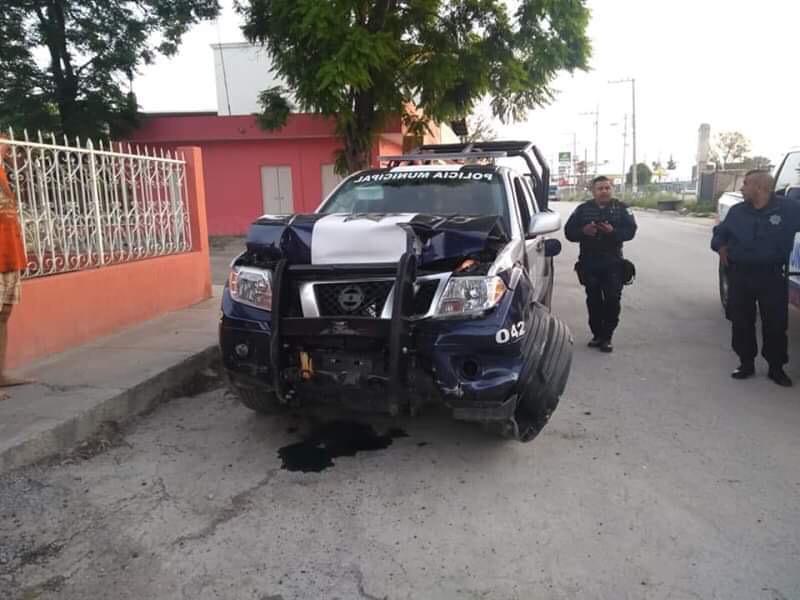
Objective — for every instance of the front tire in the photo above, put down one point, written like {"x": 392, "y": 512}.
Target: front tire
{"x": 544, "y": 374}
{"x": 256, "y": 398}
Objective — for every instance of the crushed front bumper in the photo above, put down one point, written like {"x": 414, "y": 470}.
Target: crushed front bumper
{"x": 400, "y": 365}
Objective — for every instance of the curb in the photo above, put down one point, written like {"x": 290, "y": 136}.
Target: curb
{"x": 178, "y": 379}
{"x": 671, "y": 213}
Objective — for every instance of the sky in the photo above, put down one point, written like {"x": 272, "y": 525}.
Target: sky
{"x": 728, "y": 63}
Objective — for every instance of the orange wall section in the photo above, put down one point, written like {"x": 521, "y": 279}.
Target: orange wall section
{"x": 65, "y": 310}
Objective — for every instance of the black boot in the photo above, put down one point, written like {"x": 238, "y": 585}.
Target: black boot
{"x": 606, "y": 346}
{"x": 595, "y": 342}
{"x": 779, "y": 376}
{"x": 743, "y": 371}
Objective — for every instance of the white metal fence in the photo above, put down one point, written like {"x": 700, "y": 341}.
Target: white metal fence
{"x": 83, "y": 207}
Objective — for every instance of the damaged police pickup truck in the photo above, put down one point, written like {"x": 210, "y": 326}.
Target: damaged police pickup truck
{"x": 427, "y": 282}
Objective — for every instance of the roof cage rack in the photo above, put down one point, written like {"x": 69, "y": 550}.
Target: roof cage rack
{"x": 539, "y": 171}
{"x": 427, "y": 157}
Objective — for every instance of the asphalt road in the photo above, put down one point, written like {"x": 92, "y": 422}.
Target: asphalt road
{"x": 658, "y": 477}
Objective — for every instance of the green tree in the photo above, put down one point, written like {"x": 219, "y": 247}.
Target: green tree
{"x": 65, "y": 64}
{"x": 479, "y": 129}
{"x": 359, "y": 61}
{"x": 729, "y": 146}
{"x": 643, "y": 175}
{"x": 658, "y": 170}
{"x": 757, "y": 162}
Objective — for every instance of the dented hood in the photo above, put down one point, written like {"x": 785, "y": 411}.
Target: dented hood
{"x": 328, "y": 239}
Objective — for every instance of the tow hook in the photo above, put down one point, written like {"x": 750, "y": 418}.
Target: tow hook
{"x": 306, "y": 366}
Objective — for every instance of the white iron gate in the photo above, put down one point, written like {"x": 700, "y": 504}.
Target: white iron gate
{"x": 82, "y": 207}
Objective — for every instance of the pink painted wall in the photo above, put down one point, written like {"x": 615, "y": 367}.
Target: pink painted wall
{"x": 235, "y": 148}
{"x": 61, "y": 311}
{"x": 233, "y": 178}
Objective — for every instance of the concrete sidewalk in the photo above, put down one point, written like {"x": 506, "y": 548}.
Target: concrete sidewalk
{"x": 113, "y": 378}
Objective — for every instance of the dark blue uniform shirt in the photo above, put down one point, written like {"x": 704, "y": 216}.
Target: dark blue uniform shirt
{"x": 602, "y": 248}
{"x": 759, "y": 236}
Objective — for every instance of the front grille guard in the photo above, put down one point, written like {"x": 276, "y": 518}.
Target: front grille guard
{"x": 400, "y": 301}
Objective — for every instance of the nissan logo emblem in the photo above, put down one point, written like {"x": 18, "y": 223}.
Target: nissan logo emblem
{"x": 351, "y": 298}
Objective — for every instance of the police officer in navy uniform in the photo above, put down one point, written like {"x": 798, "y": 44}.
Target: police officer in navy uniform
{"x": 754, "y": 243}
{"x": 601, "y": 225}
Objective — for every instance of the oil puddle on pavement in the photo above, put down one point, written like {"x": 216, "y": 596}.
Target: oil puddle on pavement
{"x": 332, "y": 440}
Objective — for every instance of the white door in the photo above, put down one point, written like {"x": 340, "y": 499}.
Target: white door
{"x": 329, "y": 180}
{"x": 276, "y": 190}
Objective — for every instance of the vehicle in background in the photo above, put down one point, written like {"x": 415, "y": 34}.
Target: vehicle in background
{"x": 787, "y": 185}
{"x": 554, "y": 193}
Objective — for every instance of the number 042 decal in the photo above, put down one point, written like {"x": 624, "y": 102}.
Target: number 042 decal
{"x": 504, "y": 336}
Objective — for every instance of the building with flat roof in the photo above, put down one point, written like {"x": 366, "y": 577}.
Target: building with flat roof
{"x": 249, "y": 171}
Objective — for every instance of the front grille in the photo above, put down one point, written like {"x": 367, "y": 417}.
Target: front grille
{"x": 367, "y": 298}
{"x": 359, "y": 299}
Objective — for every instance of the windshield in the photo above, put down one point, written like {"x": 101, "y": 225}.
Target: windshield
{"x": 789, "y": 175}
{"x": 464, "y": 192}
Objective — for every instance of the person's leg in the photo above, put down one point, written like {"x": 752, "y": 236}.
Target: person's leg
{"x": 10, "y": 285}
{"x": 612, "y": 298}
{"x": 5, "y": 313}
{"x": 773, "y": 304}
{"x": 742, "y": 313}
{"x": 594, "y": 304}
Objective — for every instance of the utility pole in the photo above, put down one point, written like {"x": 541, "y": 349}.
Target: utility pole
{"x": 634, "y": 173}
{"x": 596, "y": 136}
{"x": 596, "y": 115}
{"x": 574, "y": 162}
{"x": 585, "y": 164}
{"x": 624, "y": 150}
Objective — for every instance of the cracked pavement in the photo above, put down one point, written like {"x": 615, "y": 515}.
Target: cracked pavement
{"x": 658, "y": 477}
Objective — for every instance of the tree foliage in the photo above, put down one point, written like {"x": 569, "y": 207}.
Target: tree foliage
{"x": 729, "y": 146}
{"x": 659, "y": 172}
{"x": 643, "y": 175}
{"x": 757, "y": 162}
{"x": 65, "y": 64}
{"x": 359, "y": 61}
{"x": 479, "y": 129}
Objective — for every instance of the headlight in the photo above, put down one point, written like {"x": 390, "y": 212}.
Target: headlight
{"x": 464, "y": 295}
{"x": 251, "y": 286}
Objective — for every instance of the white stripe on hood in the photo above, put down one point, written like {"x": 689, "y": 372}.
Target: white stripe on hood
{"x": 355, "y": 239}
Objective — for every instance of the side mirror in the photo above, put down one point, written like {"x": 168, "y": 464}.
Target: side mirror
{"x": 544, "y": 222}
